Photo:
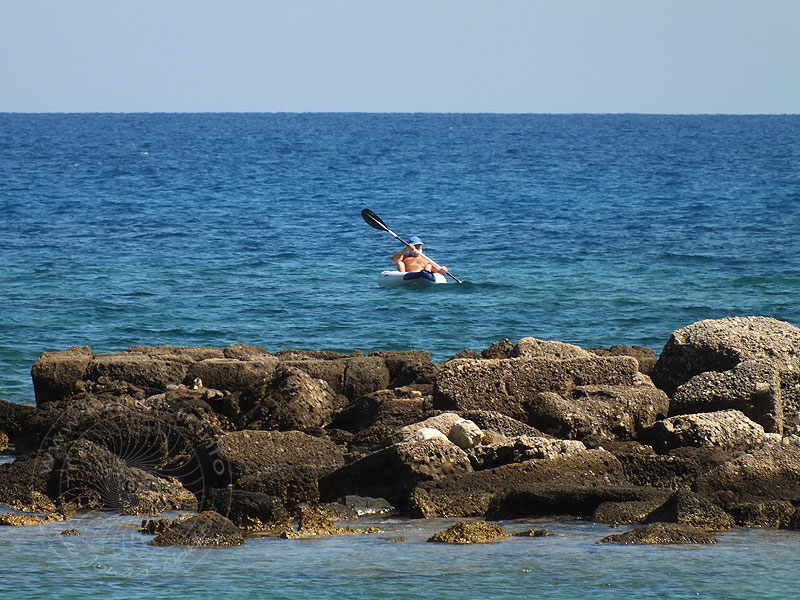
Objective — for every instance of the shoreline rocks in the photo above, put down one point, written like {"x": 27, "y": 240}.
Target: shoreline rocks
{"x": 520, "y": 430}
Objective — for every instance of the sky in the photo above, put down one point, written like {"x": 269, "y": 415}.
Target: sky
{"x": 505, "y": 56}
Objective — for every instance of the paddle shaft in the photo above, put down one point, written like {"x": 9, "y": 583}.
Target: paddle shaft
{"x": 376, "y": 222}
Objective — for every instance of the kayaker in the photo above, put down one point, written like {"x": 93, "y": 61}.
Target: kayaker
{"x": 411, "y": 259}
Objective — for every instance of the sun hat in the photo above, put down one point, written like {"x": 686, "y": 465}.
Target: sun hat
{"x": 414, "y": 240}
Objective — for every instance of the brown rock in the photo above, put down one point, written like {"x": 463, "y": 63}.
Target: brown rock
{"x": 687, "y": 508}
{"x": 56, "y": 374}
{"x": 728, "y": 430}
{"x": 208, "y": 529}
{"x": 509, "y": 385}
{"x": 470, "y": 532}
{"x": 662, "y": 533}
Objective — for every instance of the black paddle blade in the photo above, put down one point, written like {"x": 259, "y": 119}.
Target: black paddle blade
{"x": 373, "y": 220}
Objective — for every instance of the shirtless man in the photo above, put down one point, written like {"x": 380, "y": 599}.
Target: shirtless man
{"x": 411, "y": 260}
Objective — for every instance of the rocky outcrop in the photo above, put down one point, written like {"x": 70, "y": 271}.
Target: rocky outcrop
{"x": 662, "y": 533}
{"x": 728, "y": 430}
{"x": 56, "y": 374}
{"x": 470, "y": 532}
{"x": 722, "y": 345}
{"x": 394, "y": 471}
{"x": 208, "y": 529}
{"x": 249, "y": 511}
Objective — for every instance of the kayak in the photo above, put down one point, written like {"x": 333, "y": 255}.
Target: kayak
{"x": 389, "y": 279}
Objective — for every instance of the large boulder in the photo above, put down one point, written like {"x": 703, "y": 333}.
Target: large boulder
{"x": 56, "y": 374}
{"x": 728, "y": 430}
{"x": 769, "y": 472}
{"x": 394, "y": 471}
{"x": 208, "y": 529}
{"x": 23, "y": 483}
{"x": 232, "y": 374}
{"x": 250, "y": 511}
{"x": 285, "y": 464}
{"x": 88, "y": 475}
{"x": 687, "y": 508}
{"x": 289, "y": 399}
{"x": 575, "y": 482}
{"x": 520, "y": 449}
{"x": 722, "y": 344}
{"x": 753, "y": 387}
{"x": 510, "y": 385}
{"x": 599, "y": 412}
{"x": 15, "y": 423}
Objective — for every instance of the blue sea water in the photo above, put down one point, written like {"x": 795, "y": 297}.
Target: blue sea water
{"x": 211, "y": 229}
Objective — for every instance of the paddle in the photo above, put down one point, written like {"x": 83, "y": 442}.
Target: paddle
{"x": 375, "y": 221}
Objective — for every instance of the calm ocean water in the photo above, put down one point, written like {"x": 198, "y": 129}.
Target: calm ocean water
{"x": 211, "y": 229}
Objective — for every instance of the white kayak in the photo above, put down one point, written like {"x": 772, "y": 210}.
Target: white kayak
{"x": 389, "y": 279}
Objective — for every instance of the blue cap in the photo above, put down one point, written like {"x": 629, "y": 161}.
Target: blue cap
{"x": 414, "y": 240}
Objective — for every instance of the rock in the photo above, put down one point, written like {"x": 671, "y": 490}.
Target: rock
{"x": 233, "y": 375}
{"x": 15, "y": 423}
{"x": 644, "y": 356}
{"x": 283, "y": 464}
{"x": 720, "y": 345}
{"x": 602, "y": 412}
{"x": 498, "y": 350}
{"x": 753, "y": 387}
{"x": 70, "y": 532}
{"x": 774, "y": 514}
{"x": 728, "y": 430}
{"x": 245, "y": 352}
{"x": 629, "y": 512}
{"x": 364, "y": 505}
{"x": 208, "y": 529}
{"x": 3, "y": 441}
{"x": 770, "y": 472}
{"x": 364, "y": 375}
{"x": 23, "y": 483}
{"x": 289, "y": 399}
{"x": 90, "y": 476}
{"x": 680, "y": 468}
{"x": 394, "y": 471}
{"x": 313, "y": 524}
{"x": 520, "y": 449}
{"x": 470, "y": 532}
{"x": 193, "y": 353}
{"x": 533, "y": 533}
{"x": 412, "y": 367}
{"x": 687, "y": 508}
{"x": 56, "y": 374}
{"x": 249, "y": 511}
{"x": 153, "y": 373}
{"x": 465, "y": 434}
{"x": 530, "y": 347}
{"x": 425, "y": 433}
{"x": 591, "y": 477}
{"x": 510, "y": 385}
{"x": 503, "y": 425}
{"x": 662, "y": 533}
{"x": 22, "y": 520}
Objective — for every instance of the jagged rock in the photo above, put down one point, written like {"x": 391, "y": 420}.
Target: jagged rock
{"x": 722, "y": 344}
{"x": 589, "y": 476}
{"x": 393, "y": 472}
{"x": 92, "y": 477}
{"x": 56, "y": 374}
{"x": 501, "y": 349}
{"x": 70, "y": 532}
{"x": 687, "y": 508}
{"x": 22, "y": 520}
{"x": 520, "y": 449}
{"x": 465, "y": 434}
{"x": 285, "y": 464}
{"x": 770, "y": 472}
{"x": 630, "y": 512}
{"x": 510, "y": 385}
{"x": 753, "y": 387}
{"x": 603, "y": 412}
{"x": 208, "y": 529}
{"x": 289, "y": 399}
{"x": 728, "y": 430}
{"x": 774, "y": 514}
{"x": 680, "y": 468}
{"x": 412, "y": 367}
{"x": 662, "y": 533}
{"x": 470, "y": 532}
{"x": 23, "y": 483}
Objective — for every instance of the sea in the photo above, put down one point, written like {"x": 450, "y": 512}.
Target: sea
{"x": 211, "y": 229}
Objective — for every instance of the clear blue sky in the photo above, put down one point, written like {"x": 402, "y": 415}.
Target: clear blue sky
{"x": 541, "y": 56}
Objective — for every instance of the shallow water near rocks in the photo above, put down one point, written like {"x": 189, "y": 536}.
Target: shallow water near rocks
{"x": 110, "y": 558}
